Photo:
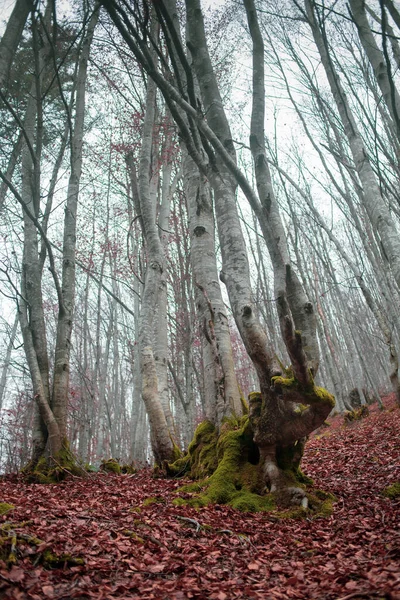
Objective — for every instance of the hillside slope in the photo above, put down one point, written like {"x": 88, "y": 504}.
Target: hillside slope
{"x": 136, "y": 544}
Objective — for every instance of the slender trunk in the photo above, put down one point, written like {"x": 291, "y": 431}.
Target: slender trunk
{"x": 7, "y": 361}
{"x": 378, "y": 61}
{"x": 12, "y": 36}
{"x": 59, "y": 400}
{"x": 154, "y": 289}
{"x": 374, "y": 204}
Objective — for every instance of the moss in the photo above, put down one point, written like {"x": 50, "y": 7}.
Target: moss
{"x": 236, "y": 478}
{"x": 176, "y": 452}
{"x": 179, "y": 502}
{"x": 283, "y": 382}
{"x": 90, "y": 468}
{"x": 245, "y": 406}
{"x": 311, "y": 392}
{"x": 5, "y": 508}
{"x": 128, "y": 469}
{"x": 134, "y": 536}
{"x": 356, "y": 415}
{"x": 155, "y": 500}
{"x": 320, "y": 505}
{"x": 320, "y": 394}
{"x": 200, "y": 459}
{"x": 54, "y": 561}
{"x": 110, "y": 465}
{"x": 10, "y": 537}
{"x": 12, "y": 557}
{"x": 54, "y": 469}
{"x": 392, "y": 491}
{"x": 226, "y": 469}
{"x": 192, "y": 487}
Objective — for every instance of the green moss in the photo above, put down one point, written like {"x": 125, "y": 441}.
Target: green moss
{"x": 245, "y": 406}
{"x": 200, "y": 459}
{"x": 255, "y": 397}
{"x": 110, "y": 465}
{"x": 311, "y": 393}
{"x": 155, "y": 500}
{"x": 227, "y": 470}
{"x": 283, "y": 382}
{"x": 54, "y": 469}
{"x": 54, "y": 561}
{"x": 90, "y": 468}
{"x": 176, "y": 452}
{"x": 393, "y": 491}
{"x": 134, "y": 536}
{"x": 192, "y": 487}
{"x": 323, "y": 395}
{"x": 128, "y": 469}
{"x": 356, "y": 415}
{"x": 179, "y": 502}
{"x": 5, "y": 508}
{"x": 236, "y": 479}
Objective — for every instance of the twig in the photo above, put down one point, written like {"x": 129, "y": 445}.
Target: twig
{"x": 191, "y": 522}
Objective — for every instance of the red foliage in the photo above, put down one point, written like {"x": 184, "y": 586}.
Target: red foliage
{"x": 352, "y": 554}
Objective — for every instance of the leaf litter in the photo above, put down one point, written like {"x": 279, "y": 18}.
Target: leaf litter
{"x": 136, "y": 544}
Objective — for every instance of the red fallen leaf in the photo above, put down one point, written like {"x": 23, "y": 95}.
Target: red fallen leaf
{"x": 48, "y": 591}
{"x": 16, "y": 574}
{"x": 351, "y": 585}
{"x": 157, "y": 568}
{"x": 292, "y": 580}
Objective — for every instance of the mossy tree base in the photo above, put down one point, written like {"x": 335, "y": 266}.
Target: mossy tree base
{"x": 228, "y": 469}
{"x": 52, "y": 469}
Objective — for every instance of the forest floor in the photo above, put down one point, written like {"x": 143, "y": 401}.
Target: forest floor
{"x": 136, "y": 544}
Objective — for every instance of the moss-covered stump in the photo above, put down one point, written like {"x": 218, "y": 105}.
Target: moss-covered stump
{"x": 53, "y": 469}
{"x": 226, "y": 469}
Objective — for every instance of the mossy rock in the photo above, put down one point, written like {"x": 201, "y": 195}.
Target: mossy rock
{"x": 392, "y": 491}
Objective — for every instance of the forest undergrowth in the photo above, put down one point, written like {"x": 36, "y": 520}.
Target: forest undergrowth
{"x": 120, "y": 536}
